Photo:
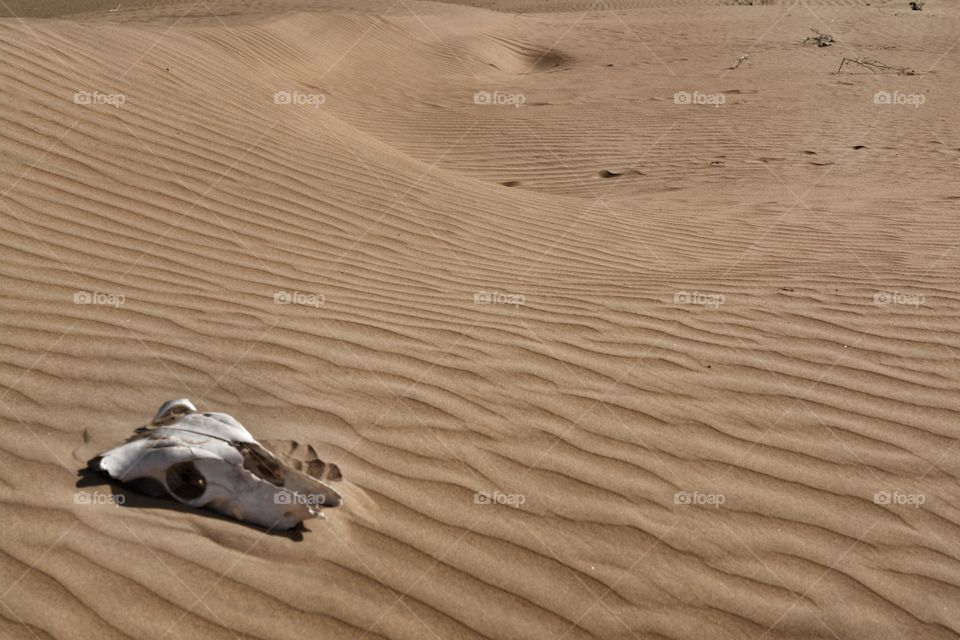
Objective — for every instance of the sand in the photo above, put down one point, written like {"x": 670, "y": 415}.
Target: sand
{"x": 607, "y": 339}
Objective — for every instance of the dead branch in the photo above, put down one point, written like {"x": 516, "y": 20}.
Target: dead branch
{"x": 876, "y": 66}
{"x": 739, "y": 61}
{"x": 820, "y": 39}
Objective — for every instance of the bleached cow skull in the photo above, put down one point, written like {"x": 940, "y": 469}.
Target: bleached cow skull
{"x": 209, "y": 460}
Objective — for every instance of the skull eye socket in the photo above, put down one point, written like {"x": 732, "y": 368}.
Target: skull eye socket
{"x": 185, "y": 481}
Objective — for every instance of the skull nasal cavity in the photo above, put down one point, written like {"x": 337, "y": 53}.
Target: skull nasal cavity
{"x": 185, "y": 481}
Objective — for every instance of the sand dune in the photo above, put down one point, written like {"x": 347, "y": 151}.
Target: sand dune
{"x": 592, "y": 363}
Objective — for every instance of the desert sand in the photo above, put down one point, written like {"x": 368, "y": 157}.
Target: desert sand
{"x": 608, "y": 339}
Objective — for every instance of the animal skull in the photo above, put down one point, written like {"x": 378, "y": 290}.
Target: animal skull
{"x": 209, "y": 460}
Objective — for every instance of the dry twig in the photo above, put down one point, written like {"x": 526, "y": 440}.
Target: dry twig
{"x": 739, "y": 61}
{"x": 820, "y": 39}
{"x": 876, "y": 66}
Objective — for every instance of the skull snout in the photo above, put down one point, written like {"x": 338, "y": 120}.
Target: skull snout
{"x": 331, "y": 499}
